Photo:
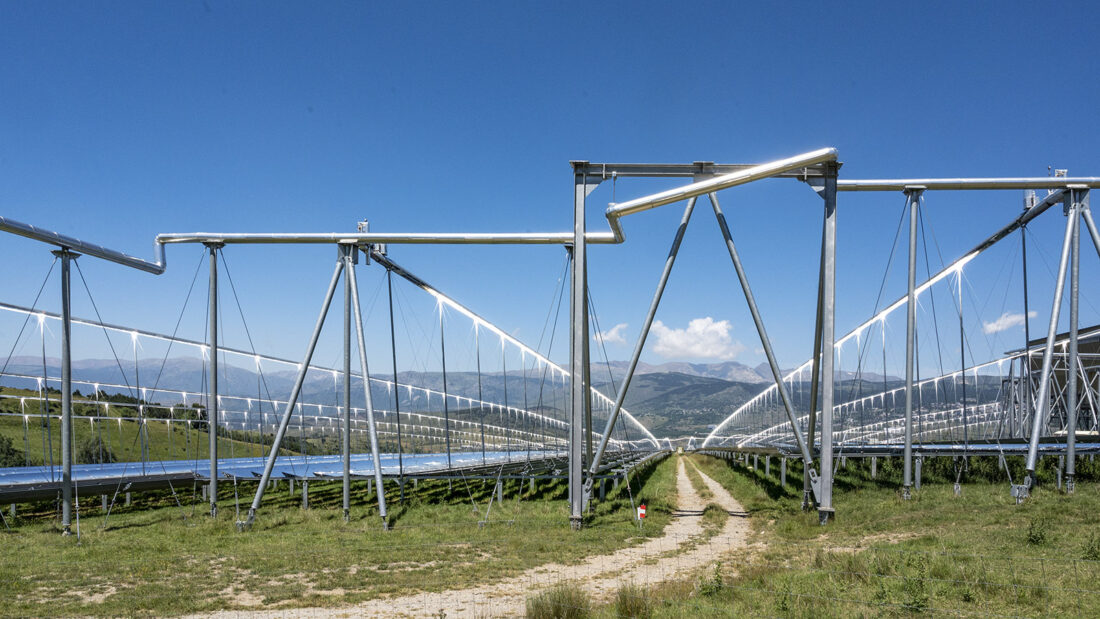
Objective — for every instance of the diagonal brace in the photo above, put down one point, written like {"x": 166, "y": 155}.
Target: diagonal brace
{"x": 621, "y": 397}
{"x": 766, "y": 343}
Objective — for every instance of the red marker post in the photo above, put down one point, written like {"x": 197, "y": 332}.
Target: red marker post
{"x": 641, "y": 511}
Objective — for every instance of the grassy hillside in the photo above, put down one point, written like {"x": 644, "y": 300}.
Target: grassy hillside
{"x": 35, "y": 438}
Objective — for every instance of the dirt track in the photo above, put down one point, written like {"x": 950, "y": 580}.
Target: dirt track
{"x": 681, "y": 549}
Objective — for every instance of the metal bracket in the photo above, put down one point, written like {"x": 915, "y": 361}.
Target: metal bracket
{"x": 815, "y": 483}
{"x": 1020, "y": 491}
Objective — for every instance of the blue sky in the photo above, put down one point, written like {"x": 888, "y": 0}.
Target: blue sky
{"x": 123, "y": 120}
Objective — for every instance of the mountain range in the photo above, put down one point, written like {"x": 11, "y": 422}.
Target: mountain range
{"x": 671, "y": 399}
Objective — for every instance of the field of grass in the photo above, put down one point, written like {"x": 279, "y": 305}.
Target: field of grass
{"x": 974, "y": 554}
{"x": 158, "y": 558}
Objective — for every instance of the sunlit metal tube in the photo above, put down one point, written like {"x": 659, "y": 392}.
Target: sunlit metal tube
{"x": 82, "y": 247}
{"x": 392, "y": 238}
{"x": 718, "y": 183}
{"x": 899, "y": 184}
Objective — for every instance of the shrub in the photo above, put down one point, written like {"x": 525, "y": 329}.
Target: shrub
{"x": 1037, "y": 532}
{"x": 711, "y": 585}
{"x": 564, "y": 601}
{"x": 92, "y": 450}
{"x": 633, "y": 601}
{"x": 9, "y": 455}
{"x": 1092, "y": 548}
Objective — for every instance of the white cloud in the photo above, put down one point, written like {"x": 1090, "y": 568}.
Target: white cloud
{"x": 614, "y": 335}
{"x": 1005, "y": 322}
{"x": 704, "y": 338}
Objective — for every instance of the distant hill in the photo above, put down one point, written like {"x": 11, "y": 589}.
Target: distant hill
{"x": 727, "y": 370}
{"x": 674, "y": 403}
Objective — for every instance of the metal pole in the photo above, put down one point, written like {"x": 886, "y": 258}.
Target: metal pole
{"x": 376, "y": 457}
{"x": 288, "y": 412}
{"x": 777, "y": 374}
{"x": 962, "y": 363}
{"x": 578, "y": 353}
{"x": 636, "y": 356}
{"x": 480, "y": 398}
{"x": 396, "y": 393}
{"x": 815, "y": 376}
{"x": 212, "y": 399}
{"x": 347, "y": 257}
{"x": 1087, "y": 215}
{"x": 66, "y": 257}
{"x": 1025, "y": 361}
{"x": 1077, "y": 198}
{"x": 1042, "y": 403}
{"x": 912, "y": 195}
{"x": 825, "y": 497}
{"x": 446, "y": 410}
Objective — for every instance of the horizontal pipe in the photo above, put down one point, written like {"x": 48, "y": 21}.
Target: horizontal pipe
{"x": 82, "y": 247}
{"x": 898, "y": 184}
{"x": 392, "y": 238}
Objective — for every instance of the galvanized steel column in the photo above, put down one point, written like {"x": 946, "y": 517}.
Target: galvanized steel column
{"x": 1042, "y": 404}
{"x": 913, "y": 195}
{"x": 828, "y": 340}
{"x": 578, "y": 319}
{"x": 347, "y": 256}
{"x": 1078, "y": 198}
{"x": 66, "y": 257}
{"x": 212, "y": 397}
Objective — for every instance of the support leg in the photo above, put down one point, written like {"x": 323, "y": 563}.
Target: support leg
{"x": 646, "y": 324}
{"x": 347, "y": 257}
{"x": 1042, "y": 404}
{"x": 580, "y": 399}
{"x": 66, "y": 257}
{"x": 825, "y": 497}
{"x": 288, "y": 412}
{"x": 1079, "y": 199}
{"x": 913, "y": 195}
{"x": 765, "y": 342}
{"x": 212, "y": 404}
{"x": 372, "y": 430}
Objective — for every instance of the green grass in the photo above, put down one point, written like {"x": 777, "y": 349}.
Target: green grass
{"x": 938, "y": 553}
{"x": 156, "y": 558}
